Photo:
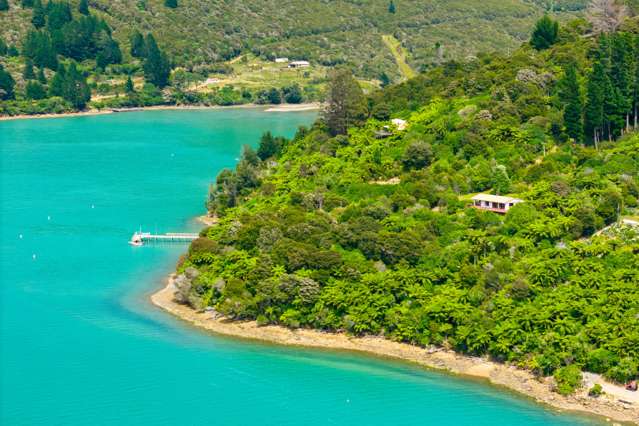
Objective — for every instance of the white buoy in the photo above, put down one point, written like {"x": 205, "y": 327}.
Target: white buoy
{"x": 92, "y": 206}
{"x": 34, "y": 256}
{"x": 48, "y": 217}
{"x": 20, "y": 236}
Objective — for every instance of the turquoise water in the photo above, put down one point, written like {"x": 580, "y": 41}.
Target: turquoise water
{"x": 81, "y": 344}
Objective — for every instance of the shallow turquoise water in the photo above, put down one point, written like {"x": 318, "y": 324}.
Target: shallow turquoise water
{"x": 81, "y": 345}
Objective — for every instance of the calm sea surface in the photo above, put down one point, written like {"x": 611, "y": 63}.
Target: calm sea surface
{"x": 81, "y": 344}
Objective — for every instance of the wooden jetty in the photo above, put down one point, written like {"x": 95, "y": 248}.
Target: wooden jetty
{"x": 139, "y": 238}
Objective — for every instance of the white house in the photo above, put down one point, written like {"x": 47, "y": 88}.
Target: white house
{"x": 299, "y": 64}
{"x": 494, "y": 203}
{"x": 281, "y": 60}
{"x": 399, "y": 123}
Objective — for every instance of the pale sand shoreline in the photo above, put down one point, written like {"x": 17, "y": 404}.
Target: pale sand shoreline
{"x": 515, "y": 379}
{"x": 272, "y": 108}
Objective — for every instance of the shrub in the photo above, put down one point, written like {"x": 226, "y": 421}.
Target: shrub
{"x": 568, "y": 379}
{"x": 595, "y": 391}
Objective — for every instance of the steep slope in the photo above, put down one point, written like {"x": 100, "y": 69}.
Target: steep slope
{"x": 374, "y": 233}
{"x": 329, "y": 32}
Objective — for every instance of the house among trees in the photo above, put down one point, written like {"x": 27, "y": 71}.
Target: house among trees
{"x": 299, "y": 64}
{"x": 494, "y": 203}
{"x": 281, "y": 60}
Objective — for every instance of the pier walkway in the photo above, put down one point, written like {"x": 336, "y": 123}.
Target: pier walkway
{"x": 139, "y": 238}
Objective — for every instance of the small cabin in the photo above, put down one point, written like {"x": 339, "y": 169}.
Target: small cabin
{"x": 299, "y": 64}
{"x": 281, "y": 60}
{"x": 495, "y": 203}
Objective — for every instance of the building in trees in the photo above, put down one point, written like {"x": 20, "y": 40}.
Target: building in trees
{"x": 495, "y": 203}
{"x": 299, "y": 64}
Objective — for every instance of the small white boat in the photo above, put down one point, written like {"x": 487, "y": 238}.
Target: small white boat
{"x": 136, "y": 240}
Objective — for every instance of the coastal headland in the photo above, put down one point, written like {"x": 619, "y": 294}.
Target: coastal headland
{"x": 616, "y": 404}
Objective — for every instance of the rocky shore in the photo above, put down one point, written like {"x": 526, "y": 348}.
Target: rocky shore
{"x": 616, "y": 404}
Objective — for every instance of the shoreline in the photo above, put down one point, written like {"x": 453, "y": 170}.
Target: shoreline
{"x": 510, "y": 377}
{"x": 312, "y": 106}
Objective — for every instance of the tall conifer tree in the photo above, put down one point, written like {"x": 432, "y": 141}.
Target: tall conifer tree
{"x": 7, "y": 85}
{"x": 28, "y": 73}
{"x": 594, "y": 110}
{"x": 571, "y": 96}
{"x": 156, "y": 67}
{"x": 138, "y": 45}
{"x": 38, "y": 19}
{"x": 83, "y": 7}
{"x": 545, "y": 33}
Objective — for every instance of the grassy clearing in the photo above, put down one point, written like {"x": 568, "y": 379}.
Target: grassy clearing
{"x": 400, "y": 55}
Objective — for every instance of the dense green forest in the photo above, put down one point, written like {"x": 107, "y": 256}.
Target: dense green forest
{"x": 221, "y": 53}
{"x": 199, "y": 32}
{"x": 354, "y": 225}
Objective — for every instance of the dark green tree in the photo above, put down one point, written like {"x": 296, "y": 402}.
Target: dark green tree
{"x": 171, "y": 3}
{"x": 108, "y": 51}
{"x": 622, "y": 68}
{"x": 384, "y": 79}
{"x": 345, "y": 103}
{"x": 636, "y": 85}
{"x": 545, "y": 33}
{"x": 7, "y": 85}
{"x": 3, "y": 48}
{"x": 38, "y": 46}
{"x": 56, "y": 86}
{"x": 274, "y": 96}
{"x": 41, "y": 77}
{"x": 269, "y": 146}
{"x": 76, "y": 89}
{"x": 391, "y": 7}
{"x": 138, "y": 45}
{"x": 13, "y": 51}
{"x": 27, "y": 72}
{"x": 292, "y": 94}
{"x": 594, "y": 109}
{"x": 27, "y": 4}
{"x": 83, "y": 7}
{"x": 571, "y": 97}
{"x": 39, "y": 17}
{"x": 4, "y": 5}
{"x": 58, "y": 14}
{"x": 128, "y": 86}
{"x": 34, "y": 90}
{"x": 417, "y": 155}
{"x": 156, "y": 67}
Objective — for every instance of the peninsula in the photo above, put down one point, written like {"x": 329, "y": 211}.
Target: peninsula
{"x": 480, "y": 217}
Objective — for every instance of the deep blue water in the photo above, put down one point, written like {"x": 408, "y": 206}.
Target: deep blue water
{"x": 82, "y": 345}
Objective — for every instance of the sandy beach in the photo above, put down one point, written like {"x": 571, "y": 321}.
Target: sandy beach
{"x": 616, "y": 404}
{"x": 268, "y": 108}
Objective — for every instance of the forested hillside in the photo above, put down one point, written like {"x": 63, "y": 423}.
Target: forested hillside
{"x": 371, "y": 230}
{"x": 200, "y": 32}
